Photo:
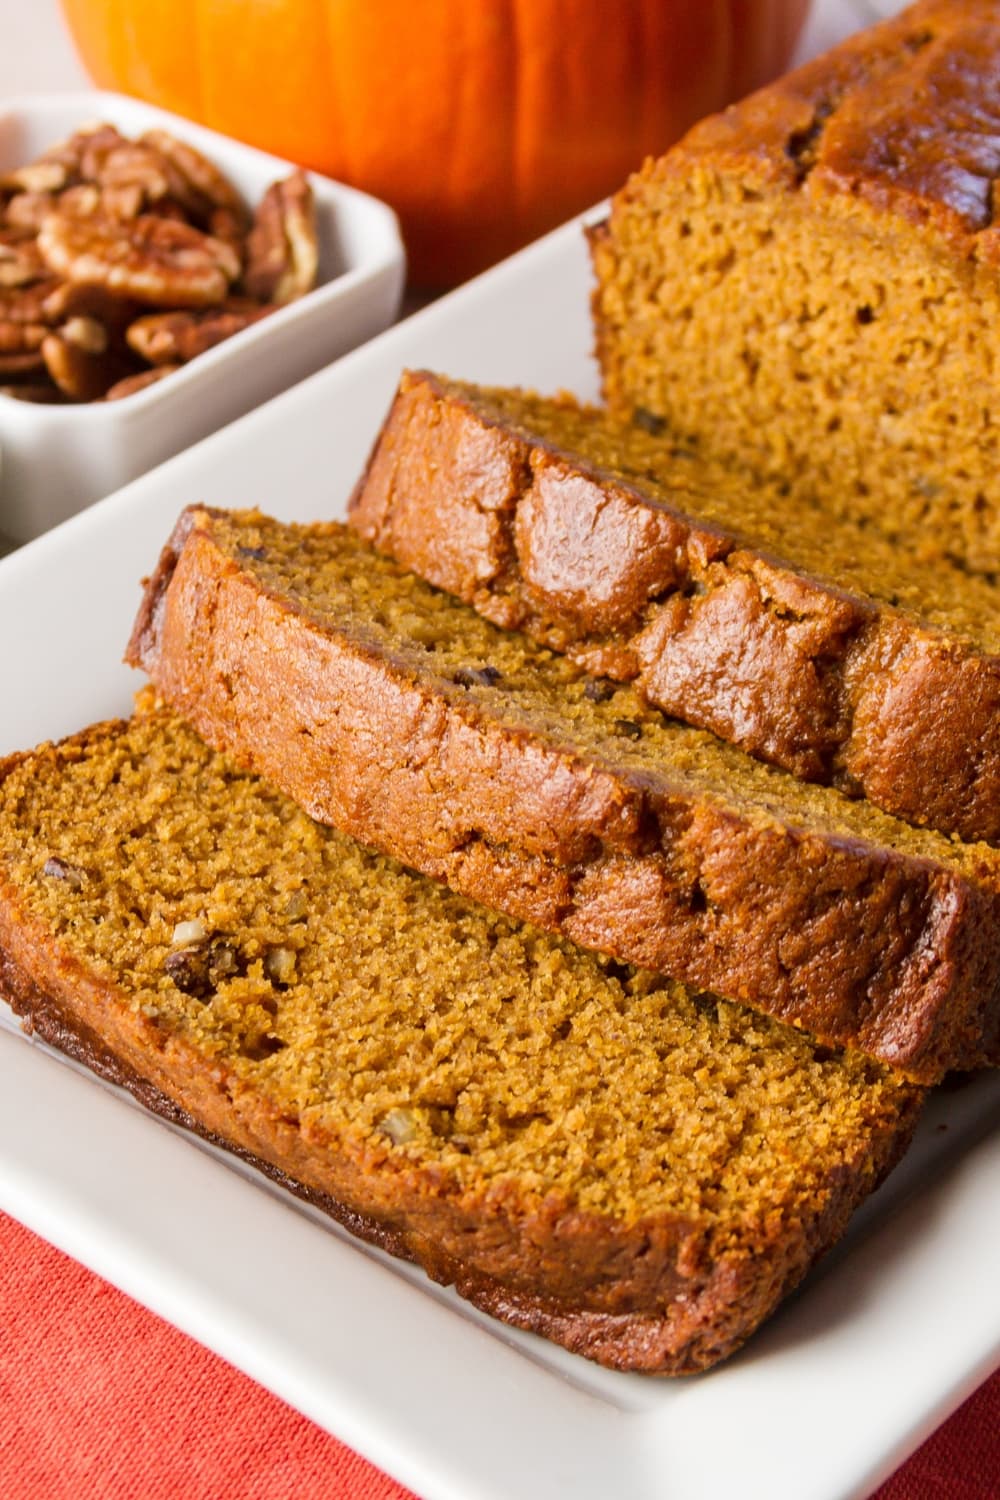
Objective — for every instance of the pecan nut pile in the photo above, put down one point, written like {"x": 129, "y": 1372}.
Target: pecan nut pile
{"x": 122, "y": 260}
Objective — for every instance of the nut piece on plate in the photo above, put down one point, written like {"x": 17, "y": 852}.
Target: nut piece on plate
{"x": 282, "y": 248}
{"x": 169, "y": 338}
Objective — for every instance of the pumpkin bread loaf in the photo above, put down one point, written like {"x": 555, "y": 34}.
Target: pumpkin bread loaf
{"x": 582, "y": 1149}
{"x": 397, "y": 714}
{"x": 806, "y": 640}
{"x": 808, "y": 285}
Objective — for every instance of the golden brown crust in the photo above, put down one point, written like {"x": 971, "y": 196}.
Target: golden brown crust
{"x": 829, "y": 683}
{"x": 863, "y": 944}
{"x": 903, "y": 116}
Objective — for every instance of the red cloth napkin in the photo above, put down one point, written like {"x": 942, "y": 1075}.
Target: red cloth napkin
{"x": 99, "y": 1398}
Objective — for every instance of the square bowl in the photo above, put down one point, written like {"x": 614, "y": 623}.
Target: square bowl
{"x": 55, "y": 460}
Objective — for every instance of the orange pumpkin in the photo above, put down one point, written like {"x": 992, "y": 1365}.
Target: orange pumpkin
{"x": 483, "y": 122}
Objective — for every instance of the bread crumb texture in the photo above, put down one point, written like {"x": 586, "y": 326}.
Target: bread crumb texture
{"x": 401, "y": 1021}
{"x": 806, "y": 286}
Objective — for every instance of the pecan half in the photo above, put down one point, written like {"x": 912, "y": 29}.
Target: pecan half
{"x": 20, "y": 262}
{"x": 169, "y": 338}
{"x": 28, "y": 210}
{"x": 78, "y": 365}
{"x": 83, "y": 199}
{"x": 150, "y": 259}
{"x": 282, "y": 247}
{"x": 204, "y": 187}
{"x": 92, "y": 147}
{"x": 20, "y": 337}
{"x": 18, "y": 367}
{"x": 117, "y": 200}
{"x": 36, "y": 177}
{"x": 27, "y": 304}
{"x": 143, "y": 170}
{"x": 64, "y": 299}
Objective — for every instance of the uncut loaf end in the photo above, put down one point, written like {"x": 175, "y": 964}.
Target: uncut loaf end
{"x": 808, "y": 640}
{"x": 396, "y": 713}
{"x": 583, "y": 1150}
{"x": 808, "y": 285}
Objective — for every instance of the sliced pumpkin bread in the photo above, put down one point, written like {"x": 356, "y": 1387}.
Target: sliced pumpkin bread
{"x": 808, "y": 284}
{"x": 806, "y": 639}
{"x": 399, "y": 715}
{"x": 584, "y": 1150}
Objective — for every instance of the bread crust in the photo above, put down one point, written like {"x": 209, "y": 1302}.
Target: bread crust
{"x": 667, "y": 1295}
{"x": 861, "y": 943}
{"x": 831, "y": 684}
{"x": 881, "y": 119}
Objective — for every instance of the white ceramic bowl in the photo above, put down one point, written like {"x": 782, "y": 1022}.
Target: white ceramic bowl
{"x": 58, "y": 459}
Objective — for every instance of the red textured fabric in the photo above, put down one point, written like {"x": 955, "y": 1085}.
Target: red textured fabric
{"x": 103, "y": 1401}
{"x": 961, "y": 1461}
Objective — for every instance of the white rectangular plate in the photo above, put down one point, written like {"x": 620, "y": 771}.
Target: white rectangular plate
{"x": 890, "y": 1334}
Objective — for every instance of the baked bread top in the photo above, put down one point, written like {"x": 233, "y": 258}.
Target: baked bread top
{"x": 904, "y": 116}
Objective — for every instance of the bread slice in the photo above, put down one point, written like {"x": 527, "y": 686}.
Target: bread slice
{"x": 403, "y": 718}
{"x": 807, "y": 285}
{"x": 806, "y": 640}
{"x": 584, "y": 1150}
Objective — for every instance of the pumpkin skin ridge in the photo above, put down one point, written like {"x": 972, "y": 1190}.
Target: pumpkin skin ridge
{"x": 482, "y": 132}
